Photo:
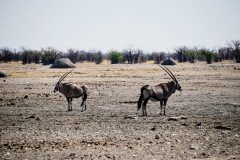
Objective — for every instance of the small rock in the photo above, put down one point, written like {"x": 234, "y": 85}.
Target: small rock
{"x": 26, "y": 96}
{"x": 2, "y": 74}
{"x": 222, "y": 127}
{"x": 193, "y": 147}
{"x": 30, "y": 117}
{"x": 199, "y": 125}
{"x": 176, "y": 118}
{"x": 157, "y": 136}
{"x": 154, "y": 128}
{"x": 72, "y": 155}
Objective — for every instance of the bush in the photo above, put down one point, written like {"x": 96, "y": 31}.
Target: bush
{"x": 115, "y": 57}
{"x": 98, "y": 57}
{"x": 6, "y": 55}
{"x": 158, "y": 57}
{"x": 191, "y": 55}
{"x": 27, "y": 56}
{"x": 235, "y": 49}
{"x": 49, "y": 56}
{"x": 208, "y": 55}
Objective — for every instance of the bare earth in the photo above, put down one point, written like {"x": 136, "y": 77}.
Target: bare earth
{"x": 202, "y": 122}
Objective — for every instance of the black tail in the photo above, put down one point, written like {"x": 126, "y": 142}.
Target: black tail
{"x": 141, "y": 96}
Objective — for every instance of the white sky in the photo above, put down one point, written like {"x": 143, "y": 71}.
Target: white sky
{"x": 150, "y": 25}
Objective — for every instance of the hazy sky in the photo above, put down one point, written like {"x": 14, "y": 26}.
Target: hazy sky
{"x": 150, "y": 25}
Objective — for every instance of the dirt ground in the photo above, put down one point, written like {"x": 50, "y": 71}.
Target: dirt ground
{"x": 201, "y": 122}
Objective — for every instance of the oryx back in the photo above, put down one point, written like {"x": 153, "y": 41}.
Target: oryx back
{"x": 155, "y": 93}
{"x": 71, "y": 90}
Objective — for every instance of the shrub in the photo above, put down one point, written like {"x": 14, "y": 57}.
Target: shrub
{"x": 115, "y": 57}
{"x": 27, "y": 56}
{"x": 158, "y": 57}
{"x": 6, "y": 54}
{"x": 49, "y": 55}
{"x": 235, "y": 49}
{"x": 98, "y": 57}
{"x": 208, "y": 55}
{"x": 191, "y": 55}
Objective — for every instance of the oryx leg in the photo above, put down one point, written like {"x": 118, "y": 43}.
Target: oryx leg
{"x": 69, "y": 104}
{"x": 84, "y": 105}
{"x": 164, "y": 105}
{"x": 161, "y": 103}
{"x": 144, "y": 107}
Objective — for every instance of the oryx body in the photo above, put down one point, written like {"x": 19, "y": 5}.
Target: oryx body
{"x": 71, "y": 90}
{"x": 157, "y": 93}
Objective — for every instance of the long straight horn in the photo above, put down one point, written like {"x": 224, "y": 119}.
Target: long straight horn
{"x": 169, "y": 73}
{"x": 65, "y": 75}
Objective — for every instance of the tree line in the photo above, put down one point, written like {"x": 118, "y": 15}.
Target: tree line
{"x": 181, "y": 54}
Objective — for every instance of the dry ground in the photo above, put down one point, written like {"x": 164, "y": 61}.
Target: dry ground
{"x": 35, "y": 124}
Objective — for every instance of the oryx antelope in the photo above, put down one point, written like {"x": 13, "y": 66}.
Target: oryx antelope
{"x": 159, "y": 92}
{"x": 71, "y": 90}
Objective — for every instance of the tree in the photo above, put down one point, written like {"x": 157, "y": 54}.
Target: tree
{"x": 181, "y": 51}
{"x": 234, "y": 45}
{"x": 27, "y": 56}
{"x": 98, "y": 57}
{"x": 191, "y": 55}
{"x": 158, "y": 57}
{"x": 6, "y": 54}
{"x": 73, "y": 55}
{"x": 49, "y": 55}
{"x": 115, "y": 57}
{"x": 208, "y": 55}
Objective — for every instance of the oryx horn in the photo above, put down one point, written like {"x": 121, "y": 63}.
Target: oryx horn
{"x": 65, "y": 75}
{"x": 169, "y": 73}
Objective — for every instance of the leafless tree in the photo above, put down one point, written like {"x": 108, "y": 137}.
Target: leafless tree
{"x": 234, "y": 45}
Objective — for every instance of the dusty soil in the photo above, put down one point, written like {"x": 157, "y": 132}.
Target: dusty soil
{"x": 202, "y": 122}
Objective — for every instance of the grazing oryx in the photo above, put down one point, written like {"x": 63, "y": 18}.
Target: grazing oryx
{"x": 160, "y": 92}
{"x": 71, "y": 91}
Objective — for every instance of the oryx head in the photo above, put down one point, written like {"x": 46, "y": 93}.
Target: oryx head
{"x": 178, "y": 87}
{"x": 57, "y": 86}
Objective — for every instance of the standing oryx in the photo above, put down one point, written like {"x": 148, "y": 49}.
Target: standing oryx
{"x": 160, "y": 92}
{"x": 71, "y": 91}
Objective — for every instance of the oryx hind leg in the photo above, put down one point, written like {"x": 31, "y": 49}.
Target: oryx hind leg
{"x": 164, "y": 105}
{"x": 161, "y": 104}
{"x": 84, "y": 103}
{"x": 144, "y": 107}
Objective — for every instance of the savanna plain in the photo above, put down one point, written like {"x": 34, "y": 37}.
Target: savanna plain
{"x": 201, "y": 122}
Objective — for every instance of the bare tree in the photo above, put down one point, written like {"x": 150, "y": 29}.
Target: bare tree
{"x": 181, "y": 51}
{"x": 73, "y": 55}
{"x": 234, "y": 45}
{"x": 6, "y": 54}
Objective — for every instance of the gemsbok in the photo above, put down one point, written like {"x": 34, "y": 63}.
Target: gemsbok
{"x": 159, "y": 92}
{"x": 71, "y": 90}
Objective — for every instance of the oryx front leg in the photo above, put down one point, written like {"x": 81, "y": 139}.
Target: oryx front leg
{"x": 69, "y": 104}
{"x": 163, "y": 105}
